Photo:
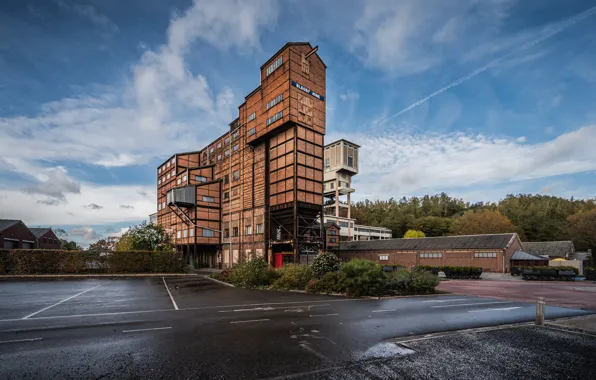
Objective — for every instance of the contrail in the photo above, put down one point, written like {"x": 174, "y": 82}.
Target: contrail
{"x": 572, "y": 21}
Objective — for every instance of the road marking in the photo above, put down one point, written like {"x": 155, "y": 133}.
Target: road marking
{"x": 383, "y": 310}
{"x": 503, "y": 308}
{"x": 172, "y": 298}
{"x": 220, "y": 282}
{"x": 450, "y": 300}
{"x": 322, "y": 315}
{"x": 151, "y": 329}
{"x": 58, "y": 303}
{"x": 251, "y": 320}
{"x": 474, "y": 304}
{"x": 254, "y": 309}
{"x": 314, "y": 352}
{"x": 20, "y": 340}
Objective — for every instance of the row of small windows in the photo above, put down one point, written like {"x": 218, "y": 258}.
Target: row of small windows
{"x": 191, "y": 233}
{"x": 433, "y": 255}
{"x": 485, "y": 254}
{"x": 164, "y": 168}
{"x": 258, "y": 230}
{"x": 275, "y": 118}
{"x": 276, "y": 100}
{"x": 274, "y": 66}
{"x": 252, "y": 116}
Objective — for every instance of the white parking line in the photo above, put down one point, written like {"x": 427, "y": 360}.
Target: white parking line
{"x": 322, "y": 315}
{"x": 501, "y": 309}
{"x": 314, "y": 352}
{"x": 383, "y": 311}
{"x": 473, "y": 304}
{"x": 251, "y": 320}
{"x": 253, "y": 309}
{"x": 450, "y": 300}
{"x": 58, "y": 303}
{"x": 20, "y": 340}
{"x": 172, "y": 298}
{"x": 155, "y": 328}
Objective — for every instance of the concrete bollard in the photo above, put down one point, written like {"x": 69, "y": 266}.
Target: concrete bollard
{"x": 540, "y": 303}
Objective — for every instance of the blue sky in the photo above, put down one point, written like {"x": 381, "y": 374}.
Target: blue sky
{"x": 477, "y": 98}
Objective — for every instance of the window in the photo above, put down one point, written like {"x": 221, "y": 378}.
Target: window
{"x": 173, "y": 161}
{"x": 185, "y": 233}
{"x": 327, "y": 163}
{"x": 226, "y": 179}
{"x": 163, "y": 205}
{"x": 275, "y": 118}
{"x": 350, "y": 161}
{"x": 252, "y": 116}
{"x": 235, "y": 175}
{"x": 383, "y": 257}
{"x": 159, "y": 181}
{"x": 184, "y": 178}
{"x": 208, "y": 233}
{"x": 332, "y": 233}
{"x": 274, "y": 66}
{"x": 259, "y": 228}
{"x": 226, "y": 195}
{"x": 168, "y": 165}
{"x": 235, "y": 135}
{"x": 227, "y": 152}
{"x": 208, "y": 199}
{"x": 178, "y": 234}
{"x": 227, "y": 140}
{"x": 249, "y": 230}
{"x": 331, "y": 186}
{"x": 275, "y": 101}
{"x": 218, "y": 145}
{"x": 159, "y": 170}
{"x": 433, "y": 255}
{"x": 252, "y": 131}
{"x": 191, "y": 232}
{"x": 235, "y": 231}
{"x": 211, "y": 150}
{"x": 235, "y": 147}
{"x": 219, "y": 157}
{"x": 226, "y": 233}
{"x": 343, "y": 224}
{"x": 200, "y": 178}
{"x": 178, "y": 181}
{"x": 485, "y": 254}
{"x": 173, "y": 173}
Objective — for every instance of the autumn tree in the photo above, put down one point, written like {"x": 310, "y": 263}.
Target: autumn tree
{"x": 414, "y": 234}
{"x": 482, "y": 222}
{"x": 582, "y": 229}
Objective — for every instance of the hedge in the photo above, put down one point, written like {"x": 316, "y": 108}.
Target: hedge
{"x": 563, "y": 268}
{"x": 462, "y": 272}
{"x": 44, "y": 261}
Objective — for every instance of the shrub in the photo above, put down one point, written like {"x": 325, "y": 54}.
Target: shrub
{"x": 332, "y": 282}
{"x": 424, "y": 282}
{"x": 405, "y": 282}
{"x": 362, "y": 278}
{"x": 251, "y": 273}
{"x": 325, "y": 262}
{"x": 293, "y": 276}
{"x": 313, "y": 286}
{"x": 426, "y": 268}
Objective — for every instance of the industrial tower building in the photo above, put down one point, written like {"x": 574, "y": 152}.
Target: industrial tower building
{"x": 257, "y": 189}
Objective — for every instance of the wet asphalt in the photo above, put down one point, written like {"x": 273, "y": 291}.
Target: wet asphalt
{"x": 134, "y": 329}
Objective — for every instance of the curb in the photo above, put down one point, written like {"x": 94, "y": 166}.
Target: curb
{"x": 50, "y": 276}
{"x": 220, "y": 282}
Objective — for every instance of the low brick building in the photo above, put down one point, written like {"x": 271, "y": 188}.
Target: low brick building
{"x": 552, "y": 249}
{"x": 491, "y": 252}
{"x": 45, "y": 238}
{"x": 14, "y": 234}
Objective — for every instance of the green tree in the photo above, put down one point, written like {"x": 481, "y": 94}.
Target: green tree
{"x": 482, "y": 222}
{"x": 325, "y": 262}
{"x": 414, "y": 234}
{"x": 582, "y": 229}
{"x": 144, "y": 237}
{"x": 432, "y": 225}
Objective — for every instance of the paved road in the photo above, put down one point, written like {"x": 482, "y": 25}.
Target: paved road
{"x": 576, "y": 294}
{"x": 196, "y": 328}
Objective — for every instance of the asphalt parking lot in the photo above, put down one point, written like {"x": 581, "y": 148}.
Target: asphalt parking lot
{"x": 192, "y": 327}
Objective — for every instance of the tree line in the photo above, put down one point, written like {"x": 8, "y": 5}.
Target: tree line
{"x": 533, "y": 217}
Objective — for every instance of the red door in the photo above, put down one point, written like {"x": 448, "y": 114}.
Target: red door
{"x": 278, "y": 260}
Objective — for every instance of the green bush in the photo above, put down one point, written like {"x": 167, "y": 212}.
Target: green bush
{"x": 406, "y": 282}
{"x": 293, "y": 276}
{"x": 574, "y": 269}
{"x": 332, "y": 282}
{"x": 362, "y": 278}
{"x": 313, "y": 286}
{"x": 251, "y": 273}
{"x": 325, "y": 262}
{"x": 42, "y": 261}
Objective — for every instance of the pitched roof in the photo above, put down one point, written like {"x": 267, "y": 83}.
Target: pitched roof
{"x": 492, "y": 241}
{"x": 6, "y": 223}
{"x": 521, "y": 255}
{"x": 549, "y": 248}
{"x": 39, "y": 232}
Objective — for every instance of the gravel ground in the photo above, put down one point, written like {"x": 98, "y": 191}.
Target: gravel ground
{"x": 527, "y": 352}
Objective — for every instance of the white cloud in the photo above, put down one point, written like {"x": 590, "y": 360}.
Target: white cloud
{"x": 153, "y": 115}
{"x": 521, "y": 139}
{"x": 119, "y": 234}
{"x": 403, "y": 164}
{"x": 88, "y": 234}
{"x": 349, "y": 96}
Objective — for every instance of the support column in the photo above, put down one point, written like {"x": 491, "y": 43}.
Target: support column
{"x": 336, "y": 198}
{"x": 349, "y": 216}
